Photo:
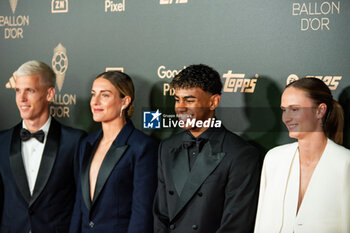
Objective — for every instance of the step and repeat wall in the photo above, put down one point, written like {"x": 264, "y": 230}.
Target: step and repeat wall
{"x": 257, "y": 46}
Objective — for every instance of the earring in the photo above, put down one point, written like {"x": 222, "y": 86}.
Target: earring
{"x": 121, "y": 111}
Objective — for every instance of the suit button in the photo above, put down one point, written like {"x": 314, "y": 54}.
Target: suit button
{"x": 194, "y": 227}
{"x": 91, "y": 224}
{"x": 200, "y": 194}
{"x": 172, "y": 226}
{"x": 30, "y": 212}
{"x": 171, "y": 192}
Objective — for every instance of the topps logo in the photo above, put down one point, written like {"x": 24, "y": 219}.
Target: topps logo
{"x": 237, "y": 83}
{"x": 168, "y": 2}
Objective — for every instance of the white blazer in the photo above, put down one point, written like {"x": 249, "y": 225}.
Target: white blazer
{"x": 326, "y": 204}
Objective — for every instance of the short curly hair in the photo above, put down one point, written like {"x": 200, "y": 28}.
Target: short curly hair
{"x": 201, "y": 76}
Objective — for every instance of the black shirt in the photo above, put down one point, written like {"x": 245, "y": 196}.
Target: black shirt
{"x": 195, "y": 145}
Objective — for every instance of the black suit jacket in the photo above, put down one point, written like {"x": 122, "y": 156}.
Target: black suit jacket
{"x": 219, "y": 194}
{"x": 50, "y": 207}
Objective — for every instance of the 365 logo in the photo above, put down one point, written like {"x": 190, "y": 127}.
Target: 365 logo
{"x": 331, "y": 81}
{"x": 59, "y": 6}
{"x": 151, "y": 119}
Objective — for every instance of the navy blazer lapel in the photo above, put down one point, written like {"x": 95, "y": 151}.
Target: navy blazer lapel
{"x": 111, "y": 159}
{"x": 85, "y": 168}
{"x": 204, "y": 165}
{"x": 48, "y": 159}
{"x": 16, "y": 164}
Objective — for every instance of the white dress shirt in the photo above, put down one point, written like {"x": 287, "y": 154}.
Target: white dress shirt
{"x": 32, "y": 151}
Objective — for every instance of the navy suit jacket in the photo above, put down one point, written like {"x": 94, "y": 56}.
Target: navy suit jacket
{"x": 50, "y": 207}
{"x": 125, "y": 186}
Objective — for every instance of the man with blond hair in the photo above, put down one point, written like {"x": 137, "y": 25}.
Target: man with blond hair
{"x": 37, "y": 157}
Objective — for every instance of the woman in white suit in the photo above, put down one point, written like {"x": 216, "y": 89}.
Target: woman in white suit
{"x": 305, "y": 186}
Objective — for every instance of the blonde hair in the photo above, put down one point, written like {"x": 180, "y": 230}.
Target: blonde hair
{"x": 48, "y": 77}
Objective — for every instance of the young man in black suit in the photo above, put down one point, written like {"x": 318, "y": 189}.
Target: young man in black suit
{"x": 37, "y": 156}
{"x": 208, "y": 177}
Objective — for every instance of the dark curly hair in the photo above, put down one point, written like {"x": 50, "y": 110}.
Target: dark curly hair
{"x": 201, "y": 76}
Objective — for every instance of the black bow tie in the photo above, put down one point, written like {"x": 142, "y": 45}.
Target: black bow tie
{"x": 26, "y": 135}
{"x": 189, "y": 141}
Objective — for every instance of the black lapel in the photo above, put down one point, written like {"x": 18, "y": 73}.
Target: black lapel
{"x": 85, "y": 168}
{"x": 16, "y": 164}
{"x": 179, "y": 167}
{"x": 111, "y": 159}
{"x": 48, "y": 159}
{"x": 204, "y": 165}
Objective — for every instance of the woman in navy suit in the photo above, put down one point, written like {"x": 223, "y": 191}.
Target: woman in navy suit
{"x": 118, "y": 165}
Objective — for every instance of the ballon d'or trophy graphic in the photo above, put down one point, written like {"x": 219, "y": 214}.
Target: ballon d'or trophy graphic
{"x": 60, "y": 64}
{"x": 13, "y": 4}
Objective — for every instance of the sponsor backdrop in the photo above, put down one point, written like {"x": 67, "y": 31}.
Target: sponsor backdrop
{"x": 256, "y": 46}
